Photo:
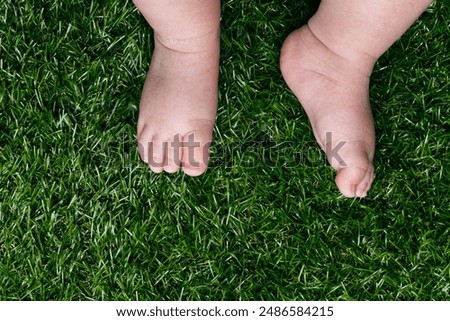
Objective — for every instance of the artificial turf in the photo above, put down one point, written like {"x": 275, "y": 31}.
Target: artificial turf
{"x": 82, "y": 218}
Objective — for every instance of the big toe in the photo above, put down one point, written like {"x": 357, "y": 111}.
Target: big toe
{"x": 366, "y": 183}
{"x": 195, "y": 156}
{"x": 349, "y": 179}
{"x": 355, "y": 179}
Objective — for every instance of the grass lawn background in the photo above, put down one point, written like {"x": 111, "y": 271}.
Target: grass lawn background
{"x": 82, "y": 218}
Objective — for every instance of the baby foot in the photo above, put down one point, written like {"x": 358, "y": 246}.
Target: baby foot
{"x": 333, "y": 90}
{"x": 178, "y": 105}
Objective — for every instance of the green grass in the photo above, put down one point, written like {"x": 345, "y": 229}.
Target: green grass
{"x": 82, "y": 218}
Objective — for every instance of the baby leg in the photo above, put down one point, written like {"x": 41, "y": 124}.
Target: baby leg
{"x": 327, "y": 64}
{"x": 179, "y": 98}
